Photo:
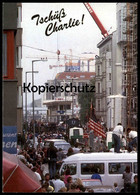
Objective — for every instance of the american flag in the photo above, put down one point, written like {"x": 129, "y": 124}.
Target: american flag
{"x": 97, "y": 128}
{"x": 94, "y": 124}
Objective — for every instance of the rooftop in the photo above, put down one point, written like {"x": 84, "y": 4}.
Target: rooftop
{"x": 102, "y": 156}
{"x": 78, "y": 75}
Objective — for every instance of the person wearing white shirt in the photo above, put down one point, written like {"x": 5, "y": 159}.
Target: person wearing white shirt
{"x": 132, "y": 135}
{"x": 58, "y": 184}
{"x": 117, "y": 135}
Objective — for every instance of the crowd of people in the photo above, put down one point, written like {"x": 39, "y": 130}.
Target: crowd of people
{"x": 45, "y": 162}
{"x": 128, "y": 139}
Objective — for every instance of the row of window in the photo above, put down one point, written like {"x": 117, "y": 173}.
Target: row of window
{"x": 90, "y": 168}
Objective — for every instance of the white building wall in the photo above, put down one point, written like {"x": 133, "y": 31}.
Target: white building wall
{"x": 115, "y": 110}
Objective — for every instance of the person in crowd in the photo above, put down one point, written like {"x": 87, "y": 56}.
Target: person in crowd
{"x": 60, "y": 157}
{"x": 66, "y": 175}
{"x": 64, "y": 189}
{"x": 123, "y": 142}
{"x": 80, "y": 185}
{"x": 45, "y": 166}
{"x": 127, "y": 176}
{"x": 68, "y": 184}
{"x": 134, "y": 185}
{"x": 52, "y": 156}
{"x": 116, "y": 188}
{"x": 74, "y": 188}
{"x": 76, "y": 149}
{"x": 58, "y": 184}
{"x": 62, "y": 177}
{"x": 132, "y": 137}
{"x": 96, "y": 175}
{"x": 117, "y": 136}
{"x": 47, "y": 180}
{"x": 44, "y": 188}
{"x": 49, "y": 188}
{"x": 70, "y": 152}
{"x": 82, "y": 150}
{"x": 34, "y": 169}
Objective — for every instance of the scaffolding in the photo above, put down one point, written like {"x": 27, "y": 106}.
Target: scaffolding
{"x": 130, "y": 61}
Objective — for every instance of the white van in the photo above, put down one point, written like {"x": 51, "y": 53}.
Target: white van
{"x": 110, "y": 166}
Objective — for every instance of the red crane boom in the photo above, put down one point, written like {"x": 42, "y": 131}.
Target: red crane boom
{"x": 96, "y": 19}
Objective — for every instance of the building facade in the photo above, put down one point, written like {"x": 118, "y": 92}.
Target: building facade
{"x": 64, "y": 105}
{"x": 107, "y": 74}
{"x": 11, "y": 75}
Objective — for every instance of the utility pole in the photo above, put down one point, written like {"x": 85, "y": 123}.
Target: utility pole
{"x": 26, "y": 96}
{"x": 33, "y": 95}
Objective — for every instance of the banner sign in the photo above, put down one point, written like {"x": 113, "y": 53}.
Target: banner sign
{"x": 10, "y": 139}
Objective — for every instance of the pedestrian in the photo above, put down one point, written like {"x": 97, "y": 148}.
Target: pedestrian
{"x": 127, "y": 176}
{"x": 58, "y": 184}
{"x": 132, "y": 136}
{"x": 45, "y": 166}
{"x": 60, "y": 157}
{"x": 66, "y": 175}
{"x": 70, "y": 152}
{"x": 134, "y": 185}
{"x": 80, "y": 185}
{"x": 116, "y": 189}
{"x": 52, "y": 156}
{"x": 44, "y": 188}
{"x": 34, "y": 169}
{"x": 68, "y": 184}
{"x": 47, "y": 180}
{"x": 76, "y": 149}
{"x": 117, "y": 135}
{"x": 64, "y": 189}
{"x": 49, "y": 188}
{"x": 96, "y": 175}
{"x": 123, "y": 142}
{"x": 74, "y": 188}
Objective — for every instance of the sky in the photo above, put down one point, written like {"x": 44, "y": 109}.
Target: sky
{"x": 39, "y": 40}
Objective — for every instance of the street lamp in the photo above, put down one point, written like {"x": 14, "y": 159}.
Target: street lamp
{"x": 73, "y": 94}
{"x": 42, "y": 59}
{"x": 26, "y": 95}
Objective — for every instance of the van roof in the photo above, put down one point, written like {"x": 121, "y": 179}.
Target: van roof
{"x": 101, "y": 156}
{"x": 56, "y": 140}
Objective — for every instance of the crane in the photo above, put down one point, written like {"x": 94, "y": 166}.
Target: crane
{"x": 96, "y": 19}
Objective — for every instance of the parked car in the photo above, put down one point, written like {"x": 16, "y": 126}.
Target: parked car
{"x": 58, "y": 143}
{"x": 97, "y": 186}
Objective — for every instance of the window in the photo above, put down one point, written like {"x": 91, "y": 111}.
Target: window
{"x": 61, "y": 107}
{"x": 118, "y": 168}
{"x": 98, "y": 70}
{"x": 98, "y": 87}
{"x": 99, "y": 105}
{"x": 72, "y": 167}
{"x": 109, "y": 62}
{"x": 4, "y": 54}
{"x": 76, "y": 132}
{"x": 90, "y": 168}
{"x": 19, "y": 97}
{"x": 109, "y": 90}
{"x": 135, "y": 167}
{"x": 68, "y": 107}
{"x": 110, "y": 76}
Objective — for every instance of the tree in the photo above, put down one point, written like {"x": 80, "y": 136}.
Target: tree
{"x": 84, "y": 99}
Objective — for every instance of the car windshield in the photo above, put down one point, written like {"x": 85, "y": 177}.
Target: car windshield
{"x": 62, "y": 146}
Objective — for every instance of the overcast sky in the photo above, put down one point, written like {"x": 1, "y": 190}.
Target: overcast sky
{"x": 80, "y": 38}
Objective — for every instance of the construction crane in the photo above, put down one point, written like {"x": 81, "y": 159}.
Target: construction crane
{"x": 96, "y": 19}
